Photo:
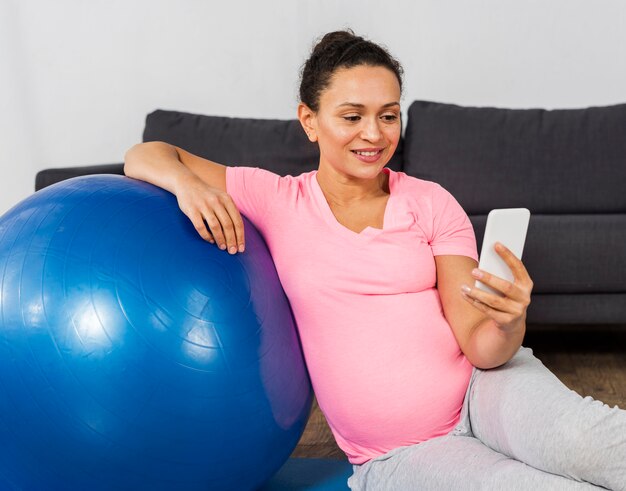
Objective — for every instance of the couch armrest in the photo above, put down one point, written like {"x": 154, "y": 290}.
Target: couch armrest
{"x": 50, "y": 176}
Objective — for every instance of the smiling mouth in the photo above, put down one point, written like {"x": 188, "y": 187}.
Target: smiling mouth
{"x": 367, "y": 153}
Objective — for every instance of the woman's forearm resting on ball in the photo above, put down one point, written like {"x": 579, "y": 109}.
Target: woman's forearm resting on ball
{"x": 168, "y": 166}
{"x": 156, "y": 163}
{"x": 199, "y": 186}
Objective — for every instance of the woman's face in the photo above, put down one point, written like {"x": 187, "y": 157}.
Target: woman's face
{"x": 358, "y": 123}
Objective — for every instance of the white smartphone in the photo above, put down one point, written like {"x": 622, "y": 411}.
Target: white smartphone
{"x": 507, "y": 226}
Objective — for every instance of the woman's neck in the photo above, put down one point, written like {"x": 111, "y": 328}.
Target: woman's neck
{"x": 343, "y": 191}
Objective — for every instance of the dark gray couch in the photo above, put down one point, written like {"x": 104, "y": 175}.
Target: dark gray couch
{"x": 567, "y": 166}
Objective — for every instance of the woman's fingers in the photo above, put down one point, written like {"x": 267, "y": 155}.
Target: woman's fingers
{"x": 515, "y": 264}
{"x": 214, "y": 224}
{"x": 213, "y": 214}
{"x": 227, "y": 239}
{"x": 223, "y": 224}
{"x": 231, "y": 224}
{"x": 495, "y": 302}
{"x": 508, "y": 289}
{"x": 509, "y": 309}
{"x": 200, "y": 225}
{"x": 237, "y": 222}
{"x": 502, "y": 318}
{"x": 522, "y": 285}
{"x": 505, "y": 312}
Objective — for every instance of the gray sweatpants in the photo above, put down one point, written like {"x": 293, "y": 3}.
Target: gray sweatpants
{"x": 520, "y": 429}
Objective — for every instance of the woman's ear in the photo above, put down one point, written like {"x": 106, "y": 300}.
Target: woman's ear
{"x": 308, "y": 121}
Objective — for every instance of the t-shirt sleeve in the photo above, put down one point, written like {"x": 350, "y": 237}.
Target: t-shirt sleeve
{"x": 252, "y": 190}
{"x": 452, "y": 232}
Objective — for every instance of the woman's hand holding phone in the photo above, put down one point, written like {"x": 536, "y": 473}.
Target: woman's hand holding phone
{"x": 503, "y": 285}
{"x": 508, "y": 307}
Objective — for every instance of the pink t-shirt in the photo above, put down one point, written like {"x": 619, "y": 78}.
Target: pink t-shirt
{"x": 383, "y": 361}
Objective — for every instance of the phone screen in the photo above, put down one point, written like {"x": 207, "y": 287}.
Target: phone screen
{"x": 507, "y": 226}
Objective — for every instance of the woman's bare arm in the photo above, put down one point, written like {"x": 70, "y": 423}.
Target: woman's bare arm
{"x": 163, "y": 165}
{"x": 489, "y": 328}
{"x": 198, "y": 184}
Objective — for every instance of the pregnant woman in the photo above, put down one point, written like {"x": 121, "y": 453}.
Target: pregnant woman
{"x": 422, "y": 378}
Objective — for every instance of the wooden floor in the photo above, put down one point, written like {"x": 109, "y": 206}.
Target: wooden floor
{"x": 588, "y": 359}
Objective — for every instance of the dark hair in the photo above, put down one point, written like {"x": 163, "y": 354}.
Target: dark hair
{"x": 340, "y": 49}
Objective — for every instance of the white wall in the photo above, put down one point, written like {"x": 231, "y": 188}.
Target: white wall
{"x": 78, "y": 77}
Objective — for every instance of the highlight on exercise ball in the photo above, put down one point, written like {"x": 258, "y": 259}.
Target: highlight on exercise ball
{"x": 135, "y": 355}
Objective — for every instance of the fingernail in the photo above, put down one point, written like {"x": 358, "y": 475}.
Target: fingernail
{"x": 222, "y": 246}
{"x": 232, "y": 249}
{"x": 465, "y": 289}
{"x": 241, "y": 248}
{"x": 476, "y": 273}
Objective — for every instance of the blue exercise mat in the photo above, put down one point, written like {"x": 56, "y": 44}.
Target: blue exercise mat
{"x": 311, "y": 475}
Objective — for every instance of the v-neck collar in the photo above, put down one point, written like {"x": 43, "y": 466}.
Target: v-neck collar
{"x": 329, "y": 217}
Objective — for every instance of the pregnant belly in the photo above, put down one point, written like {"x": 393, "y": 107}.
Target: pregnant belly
{"x": 403, "y": 377}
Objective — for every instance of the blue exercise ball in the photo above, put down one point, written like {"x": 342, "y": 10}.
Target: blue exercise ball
{"x": 135, "y": 355}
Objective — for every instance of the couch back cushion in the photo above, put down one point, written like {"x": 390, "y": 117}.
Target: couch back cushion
{"x": 550, "y": 161}
{"x": 277, "y": 145}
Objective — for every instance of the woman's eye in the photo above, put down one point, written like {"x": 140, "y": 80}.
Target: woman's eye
{"x": 389, "y": 118}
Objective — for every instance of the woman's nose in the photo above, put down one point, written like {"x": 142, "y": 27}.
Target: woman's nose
{"x": 371, "y": 131}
